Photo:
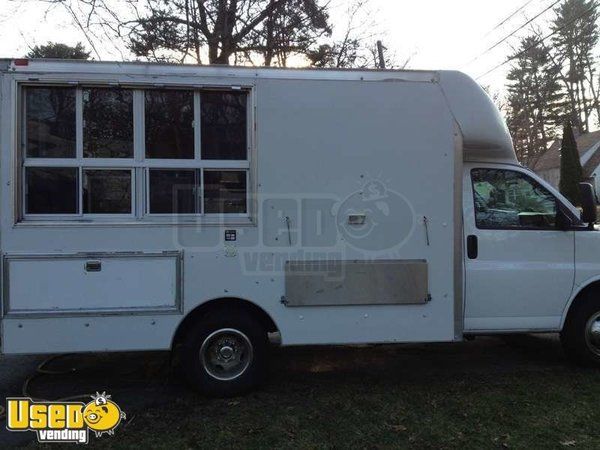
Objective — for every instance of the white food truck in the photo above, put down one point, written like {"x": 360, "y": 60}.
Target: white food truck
{"x": 201, "y": 209}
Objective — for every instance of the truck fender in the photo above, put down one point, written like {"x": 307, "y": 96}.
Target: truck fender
{"x": 577, "y": 289}
{"x": 234, "y": 302}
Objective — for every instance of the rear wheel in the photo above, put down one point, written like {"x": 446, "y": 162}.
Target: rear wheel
{"x": 580, "y": 336}
{"x": 225, "y": 353}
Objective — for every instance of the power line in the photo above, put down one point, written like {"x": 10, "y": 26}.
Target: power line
{"x": 548, "y": 36}
{"x": 513, "y": 14}
{"x": 505, "y": 38}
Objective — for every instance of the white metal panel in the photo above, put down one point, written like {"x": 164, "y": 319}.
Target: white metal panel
{"x": 334, "y": 141}
{"x": 173, "y": 72}
{"x": 59, "y": 284}
{"x": 344, "y": 283}
{"x": 87, "y": 334}
{"x": 320, "y": 142}
{"x": 587, "y": 263}
{"x": 485, "y": 134}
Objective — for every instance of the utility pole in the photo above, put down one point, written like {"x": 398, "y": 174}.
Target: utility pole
{"x": 380, "y": 49}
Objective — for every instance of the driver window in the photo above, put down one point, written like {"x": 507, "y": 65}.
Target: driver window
{"x": 505, "y": 199}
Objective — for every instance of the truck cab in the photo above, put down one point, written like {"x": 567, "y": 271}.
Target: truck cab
{"x": 530, "y": 258}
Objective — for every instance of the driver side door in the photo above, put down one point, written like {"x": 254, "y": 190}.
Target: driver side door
{"x": 519, "y": 266}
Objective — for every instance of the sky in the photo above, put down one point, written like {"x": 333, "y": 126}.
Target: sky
{"x": 434, "y": 34}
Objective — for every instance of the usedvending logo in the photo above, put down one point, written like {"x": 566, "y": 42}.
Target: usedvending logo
{"x": 66, "y": 422}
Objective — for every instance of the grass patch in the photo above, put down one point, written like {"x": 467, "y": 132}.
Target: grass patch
{"x": 522, "y": 408}
{"x": 465, "y": 396}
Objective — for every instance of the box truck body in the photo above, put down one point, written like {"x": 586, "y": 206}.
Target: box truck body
{"x": 143, "y": 202}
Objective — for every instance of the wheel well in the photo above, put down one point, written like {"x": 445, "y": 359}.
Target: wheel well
{"x": 592, "y": 287}
{"x": 224, "y": 303}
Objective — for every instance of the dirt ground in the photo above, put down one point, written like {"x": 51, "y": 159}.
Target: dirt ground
{"x": 143, "y": 382}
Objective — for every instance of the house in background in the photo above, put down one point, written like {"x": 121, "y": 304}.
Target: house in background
{"x": 548, "y": 166}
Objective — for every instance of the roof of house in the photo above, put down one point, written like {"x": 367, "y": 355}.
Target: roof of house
{"x": 551, "y": 159}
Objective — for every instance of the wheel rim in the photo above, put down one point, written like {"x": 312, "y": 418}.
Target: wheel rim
{"x": 226, "y": 354}
{"x": 592, "y": 333}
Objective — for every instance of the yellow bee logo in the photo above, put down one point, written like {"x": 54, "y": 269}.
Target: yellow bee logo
{"x": 102, "y": 415}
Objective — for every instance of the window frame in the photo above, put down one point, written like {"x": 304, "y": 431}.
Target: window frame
{"x": 530, "y": 179}
{"x": 138, "y": 164}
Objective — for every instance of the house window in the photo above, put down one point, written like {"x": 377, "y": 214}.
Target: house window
{"x": 112, "y": 152}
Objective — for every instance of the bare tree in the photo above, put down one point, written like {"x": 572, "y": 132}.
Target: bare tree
{"x": 216, "y": 29}
{"x": 356, "y": 45}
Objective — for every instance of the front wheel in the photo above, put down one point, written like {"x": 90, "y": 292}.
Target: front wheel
{"x": 225, "y": 353}
{"x": 580, "y": 336}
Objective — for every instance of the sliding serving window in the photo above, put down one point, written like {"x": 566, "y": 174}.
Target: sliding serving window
{"x": 173, "y": 191}
{"x": 78, "y": 158}
{"x": 196, "y": 148}
{"x": 107, "y": 123}
{"x": 85, "y": 147}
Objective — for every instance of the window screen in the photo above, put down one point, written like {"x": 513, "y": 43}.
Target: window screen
{"x": 107, "y": 123}
{"x": 51, "y": 190}
{"x": 50, "y": 122}
{"x": 169, "y": 124}
{"x": 224, "y": 128}
{"x": 224, "y": 191}
{"x": 172, "y": 191}
{"x": 106, "y": 191}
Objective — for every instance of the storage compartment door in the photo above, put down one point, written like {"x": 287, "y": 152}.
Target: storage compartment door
{"x": 92, "y": 283}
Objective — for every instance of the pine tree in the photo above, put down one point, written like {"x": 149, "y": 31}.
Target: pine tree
{"x": 577, "y": 33}
{"x": 535, "y": 104}
{"x": 57, "y": 50}
{"x": 571, "y": 173}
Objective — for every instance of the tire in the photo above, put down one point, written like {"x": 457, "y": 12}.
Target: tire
{"x": 580, "y": 336}
{"x": 225, "y": 353}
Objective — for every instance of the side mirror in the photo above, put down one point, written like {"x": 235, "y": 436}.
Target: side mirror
{"x": 588, "y": 202}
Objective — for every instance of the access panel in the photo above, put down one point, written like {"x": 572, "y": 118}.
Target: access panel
{"x": 91, "y": 283}
{"x": 338, "y": 283}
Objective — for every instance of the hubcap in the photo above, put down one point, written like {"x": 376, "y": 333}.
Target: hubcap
{"x": 592, "y": 333}
{"x": 226, "y": 354}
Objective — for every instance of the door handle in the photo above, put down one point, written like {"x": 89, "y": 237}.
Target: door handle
{"x": 93, "y": 266}
{"x": 472, "y": 246}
